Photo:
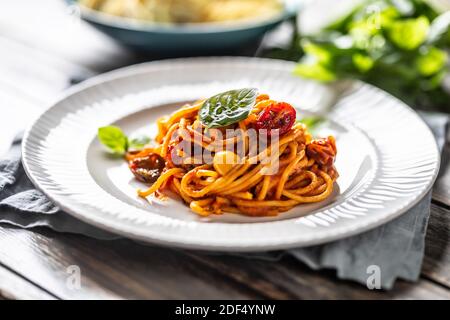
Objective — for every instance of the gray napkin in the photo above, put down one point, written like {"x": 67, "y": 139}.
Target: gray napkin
{"x": 395, "y": 248}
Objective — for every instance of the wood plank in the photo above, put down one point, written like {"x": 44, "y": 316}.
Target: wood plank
{"x": 15, "y": 287}
{"x": 290, "y": 279}
{"x": 111, "y": 270}
{"x": 51, "y": 27}
{"x": 34, "y": 73}
{"x": 29, "y": 81}
{"x": 441, "y": 189}
{"x": 124, "y": 269}
{"x": 19, "y": 110}
{"x": 436, "y": 265}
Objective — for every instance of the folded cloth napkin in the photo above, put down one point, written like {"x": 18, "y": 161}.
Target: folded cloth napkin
{"x": 395, "y": 249}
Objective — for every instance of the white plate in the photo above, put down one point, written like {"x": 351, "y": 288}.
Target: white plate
{"x": 387, "y": 157}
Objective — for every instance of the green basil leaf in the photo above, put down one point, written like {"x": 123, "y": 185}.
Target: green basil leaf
{"x": 314, "y": 71}
{"x": 409, "y": 34}
{"x": 362, "y": 62}
{"x": 139, "y": 142}
{"x": 228, "y": 107}
{"x": 113, "y": 138}
{"x": 321, "y": 55}
{"x": 431, "y": 61}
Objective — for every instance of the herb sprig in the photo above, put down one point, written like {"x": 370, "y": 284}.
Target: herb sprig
{"x": 118, "y": 142}
{"x": 401, "y": 46}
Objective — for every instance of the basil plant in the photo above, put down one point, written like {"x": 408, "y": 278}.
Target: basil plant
{"x": 401, "y": 46}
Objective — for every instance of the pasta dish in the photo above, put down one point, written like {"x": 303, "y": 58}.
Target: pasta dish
{"x": 239, "y": 152}
{"x": 187, "y": 11}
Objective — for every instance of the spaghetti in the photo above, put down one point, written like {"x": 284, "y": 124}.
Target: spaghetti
{"x": 262, "y": 179}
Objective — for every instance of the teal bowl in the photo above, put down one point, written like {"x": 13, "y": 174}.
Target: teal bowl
{"x": 186, "y": 39}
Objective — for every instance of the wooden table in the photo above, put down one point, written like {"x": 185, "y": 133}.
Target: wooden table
{"x": 43, "y": 49}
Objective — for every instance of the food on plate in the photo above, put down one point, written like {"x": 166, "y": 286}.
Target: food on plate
{"x": 238, "y": 151}
{"x": 187, "y": 11}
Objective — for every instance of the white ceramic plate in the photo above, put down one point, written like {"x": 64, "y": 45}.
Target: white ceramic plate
{"x": 387, "y": 157}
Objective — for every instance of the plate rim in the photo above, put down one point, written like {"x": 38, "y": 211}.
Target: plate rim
{"x": 143, "y": 68}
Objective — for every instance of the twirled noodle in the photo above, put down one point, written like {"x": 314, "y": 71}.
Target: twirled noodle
{"x": 304, "y": 173}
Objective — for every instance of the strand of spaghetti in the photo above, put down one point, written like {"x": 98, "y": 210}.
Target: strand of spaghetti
{"x": 248, "y": 183}
{"x": 245, "y": 138}
{"x": 236, "y": 185}
{"x": 205, "y": 182}
{"x": 262, "y": 97}
{"x": 188, "y": 178}
{"x": 286, "y": 173}
{"x": 159, "y": 182}
{"x": 176, "y": 184}
{"x": 131, "y": 156}
{"x": 316, "y": 198}
{"x": 282, "y": 144}
{"x": 304, "y": 176}
{"x": 206, "y": 173}
{"x": 267, "y": 158}
{"x": 225, "y": 181}
{"x": 176, "y": 116}
{"x": 162, "y": 130}
{"x": 243, "y": 195}
{"x": 230, "y": 209}
{"x": 313, "y": 186}
{"x": 259, "y": 212}
{"x": 322, "y": 186}
{"x": 261, "y": 103}
{"x": 167, "y": 138}
{"x": 292, "y": 154}
{"x": 174, "y": 189}
{"x": 205, "y": 142}
{"x": 266, "y": 203}
{"x": 198, "y": 206}
{"x": 265, "y": 187}
{"x": 299, "y": 180}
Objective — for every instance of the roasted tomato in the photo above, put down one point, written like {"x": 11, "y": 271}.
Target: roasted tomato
{"x": 279, "y": 116}
{"x": 148, "y": 168}
{"x": 323, "y": 151}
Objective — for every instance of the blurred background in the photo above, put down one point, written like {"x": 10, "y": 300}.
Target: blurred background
{"x": 401, "y": 46}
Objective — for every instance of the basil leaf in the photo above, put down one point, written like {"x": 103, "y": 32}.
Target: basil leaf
{"x": 139, "y": 142}
{"x": 314, "y": 71}
{"x": 113, "y": 138}
{"x": 409, "y": 34}
{"x": 431, "y": 61}
{"x": 362, "y": 62}
{"x": 228, "y": 107}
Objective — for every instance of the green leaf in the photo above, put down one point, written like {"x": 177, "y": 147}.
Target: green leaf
{"x": 314, "y": 71}
{"x": 113, "y": 138}
{"x": 409, "y": 34}
{"x": 322, "y": 55}
{"x": 228, "y": 107}
{"x": 139, "y": 142}
{"x": 362, "y": 62}
{"x": 431, "y": 62}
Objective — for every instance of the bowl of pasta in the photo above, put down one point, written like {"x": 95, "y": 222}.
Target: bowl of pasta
{"x": 183, "y": 27}
{"x": 229, "y": 154}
